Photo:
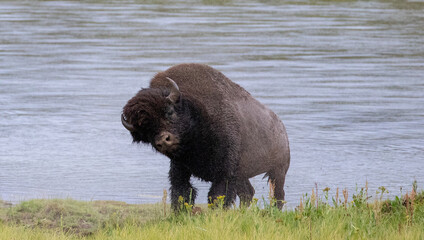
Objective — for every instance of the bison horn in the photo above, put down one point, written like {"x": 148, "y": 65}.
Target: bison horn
{"x": 174, "y": 95}
{"x": 127, "y": 125}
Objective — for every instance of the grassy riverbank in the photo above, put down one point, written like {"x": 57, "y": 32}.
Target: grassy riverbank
{"x": 326, "y": 217}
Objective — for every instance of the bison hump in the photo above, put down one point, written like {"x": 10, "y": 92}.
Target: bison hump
{"x": 201, "y": 82}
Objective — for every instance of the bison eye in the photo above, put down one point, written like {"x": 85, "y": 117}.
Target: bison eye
{"x": 170, "y": 113}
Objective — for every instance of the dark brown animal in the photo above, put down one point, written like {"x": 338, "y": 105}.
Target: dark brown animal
{"x": 212, "y": 129}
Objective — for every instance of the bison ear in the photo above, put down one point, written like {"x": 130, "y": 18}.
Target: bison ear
{"x": 175, "y": 94}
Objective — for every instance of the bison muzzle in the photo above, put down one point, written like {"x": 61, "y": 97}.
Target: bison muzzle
{"x": 210, "y": 128}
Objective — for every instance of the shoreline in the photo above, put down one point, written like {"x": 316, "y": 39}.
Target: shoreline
{"x": 317, "y": 216}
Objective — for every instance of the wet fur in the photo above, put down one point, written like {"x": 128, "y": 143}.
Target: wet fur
{"x": 216, "y": 131}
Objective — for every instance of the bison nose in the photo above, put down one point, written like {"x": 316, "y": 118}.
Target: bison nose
{"x": 165, "y": 140}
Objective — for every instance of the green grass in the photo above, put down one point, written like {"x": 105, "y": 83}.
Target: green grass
{"x": 314, "y": 218}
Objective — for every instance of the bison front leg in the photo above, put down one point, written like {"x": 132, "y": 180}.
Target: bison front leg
{"x": 245, "y": 191}
{"x": 181, "y": 187}
{"x": 223, "y": 188}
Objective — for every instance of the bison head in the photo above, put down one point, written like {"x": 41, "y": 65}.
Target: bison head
{"x": 155, "y": 116}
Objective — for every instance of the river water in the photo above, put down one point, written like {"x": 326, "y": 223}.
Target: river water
{"x": 346, "y": 77}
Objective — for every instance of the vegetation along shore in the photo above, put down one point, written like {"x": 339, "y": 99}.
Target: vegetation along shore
{"x": 317, "y": 216}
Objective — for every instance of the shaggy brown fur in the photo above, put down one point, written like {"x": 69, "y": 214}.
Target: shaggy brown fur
{"x": 212, "y": 129}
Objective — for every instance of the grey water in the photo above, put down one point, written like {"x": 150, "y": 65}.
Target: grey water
{"x": 346, "y": 77}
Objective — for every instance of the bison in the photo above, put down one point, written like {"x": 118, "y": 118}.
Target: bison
{"x": 210, "y": 128}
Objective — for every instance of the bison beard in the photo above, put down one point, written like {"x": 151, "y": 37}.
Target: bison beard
{"x": 210, "y": 128}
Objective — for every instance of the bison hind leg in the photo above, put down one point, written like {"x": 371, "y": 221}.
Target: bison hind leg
{"x": 245, "y": 191}
{"x": 276, "y": 179}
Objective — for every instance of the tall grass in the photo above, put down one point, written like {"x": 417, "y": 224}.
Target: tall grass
{"x": 317, "y": 216}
